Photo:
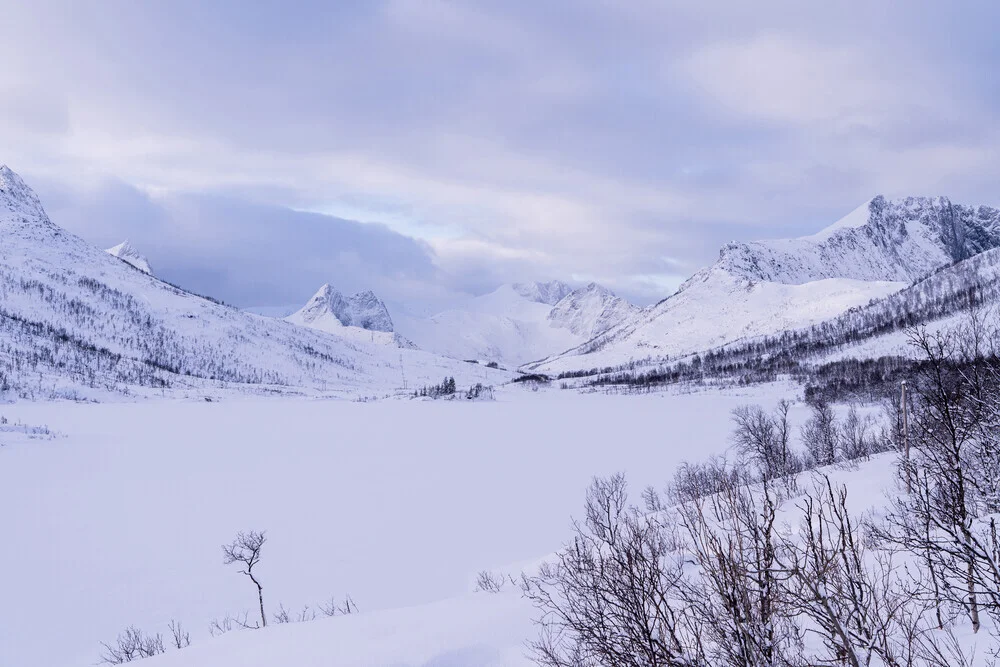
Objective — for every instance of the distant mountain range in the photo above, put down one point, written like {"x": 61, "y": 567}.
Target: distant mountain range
{"x": 76, "y": 321}
{"x": 79, "y": 323}
{"x": 764, "y": 287}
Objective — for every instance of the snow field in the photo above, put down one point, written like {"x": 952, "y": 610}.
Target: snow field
{"x": 119, "y": 519}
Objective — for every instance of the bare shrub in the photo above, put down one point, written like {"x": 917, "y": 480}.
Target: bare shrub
{"x": 180, "y": 638}
{"x": 334, "y": 608}
{"x": 132, "y": 644}
{"x": 697, "y": 480}
{"x": 490, "y": 582}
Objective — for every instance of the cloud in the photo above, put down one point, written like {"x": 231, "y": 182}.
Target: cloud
{"x": 503, "y": 140}
{"x": 249, "y": 254}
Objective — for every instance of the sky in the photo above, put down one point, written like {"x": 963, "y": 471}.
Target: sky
{"x": 429, "y": 150}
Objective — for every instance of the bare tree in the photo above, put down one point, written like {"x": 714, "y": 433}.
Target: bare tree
{"x": 740, "y": 600}
{"x": 763, "y": 440}
{"x": 612, "y": 596}
{"x": 244, "y": 551}
{"x": 945, "y": 517}
{"x": 861, "y": 604}
{"x": 820, "y": 434}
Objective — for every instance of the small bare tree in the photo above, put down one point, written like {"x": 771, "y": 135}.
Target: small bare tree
{"x": 244, "y": 552}
{"x": 820, "y": 434}
{"x": 181, "y": 638}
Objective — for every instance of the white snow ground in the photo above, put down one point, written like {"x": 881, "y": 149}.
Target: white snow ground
{"x": 118, "y": 519}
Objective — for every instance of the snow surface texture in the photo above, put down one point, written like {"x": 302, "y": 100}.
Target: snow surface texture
{"x": 76, "y": 322}
{"x": 519, "y": 323}
{"x": 763, "y": 287}
{"x": 126, "y": 252}
{"x": 400, "y": 503}
{"x": 143, "y": 518}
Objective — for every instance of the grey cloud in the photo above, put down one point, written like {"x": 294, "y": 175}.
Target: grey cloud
{"x": 244, "y": 253}
{"x": 547, "y": 139}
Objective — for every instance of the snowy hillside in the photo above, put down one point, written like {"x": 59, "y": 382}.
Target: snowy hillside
{"x": 126, "y": 252}
{"x": 941, "y": 300}
{"x": 518, "y": 323}
{"x": 76, "y": 321}
{"x": 765, "y": 287}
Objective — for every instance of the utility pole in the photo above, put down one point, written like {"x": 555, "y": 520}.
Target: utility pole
{"x": 402, "y": 370}
{"x": 906, "y": 435}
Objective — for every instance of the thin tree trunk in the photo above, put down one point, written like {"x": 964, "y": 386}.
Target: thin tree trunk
{"x": 260, "y": 598}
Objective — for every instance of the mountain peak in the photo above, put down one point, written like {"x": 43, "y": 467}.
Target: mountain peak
{"x": 896, "y": 240}
{"x": 17, "y": 196}
{"x": 543, "y": 292}
{"x": 590, "y": 310}
{"x": 363, "y": 310}
{"x": 128, "y": 253}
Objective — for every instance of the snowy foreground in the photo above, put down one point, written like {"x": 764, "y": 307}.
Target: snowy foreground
{"x": 117, "y": 517}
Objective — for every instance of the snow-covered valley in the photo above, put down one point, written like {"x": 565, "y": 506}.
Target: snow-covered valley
{"x": 146, "y": 426}
{"x": 118, "y": 518}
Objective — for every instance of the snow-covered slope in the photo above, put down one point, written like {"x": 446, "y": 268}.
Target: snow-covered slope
{"x": 126, "y": 252}
{"x": 75, "y": 321}
{"x": 361, "y": 317}
{"x": 518, "y": 323}
{"x": 940, "y": 301}
{"x": 764, "y": 287}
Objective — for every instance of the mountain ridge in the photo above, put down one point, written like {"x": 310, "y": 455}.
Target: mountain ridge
{"x": 760, "y": 287}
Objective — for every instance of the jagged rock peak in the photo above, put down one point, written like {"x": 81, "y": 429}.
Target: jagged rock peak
{"x": 128, "y": 253}
{"x": 548, "y": 293}
{"x": 364, "y": 310}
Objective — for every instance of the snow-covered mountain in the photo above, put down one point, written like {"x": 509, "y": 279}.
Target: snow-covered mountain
{"x": 763, "y": 287}
{"x": 591, "y": 310}
{"x": 882, "y": 240}
{"x": 549, "y": 293}
{"x": 362, "y": 316}
{"x": 518, "y": 323}
{"x": 78, "y": 322}
{"x": 363, "y": 310}
{"x": 126, "y": 252}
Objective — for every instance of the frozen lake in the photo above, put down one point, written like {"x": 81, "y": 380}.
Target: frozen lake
{"x": 119, "y": 519}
